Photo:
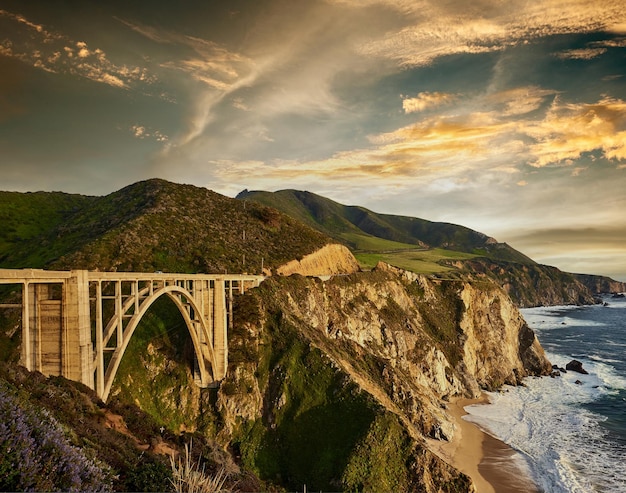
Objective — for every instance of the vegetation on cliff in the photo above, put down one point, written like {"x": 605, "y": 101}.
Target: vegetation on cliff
{"x": 152, "y": 225}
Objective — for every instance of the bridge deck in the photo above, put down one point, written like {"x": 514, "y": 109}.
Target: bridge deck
{"x": 12, "y": 276}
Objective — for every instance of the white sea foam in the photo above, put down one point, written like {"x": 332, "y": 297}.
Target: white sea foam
{"x": 565, "y": 445}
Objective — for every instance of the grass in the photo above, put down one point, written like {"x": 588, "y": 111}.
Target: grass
{"x": 158, "y": 379}
{"x": 189, "y": 477}
{"x": 420, "y": 261}
{"x": 364, "y": 243}
{"x": 305, "y": 394}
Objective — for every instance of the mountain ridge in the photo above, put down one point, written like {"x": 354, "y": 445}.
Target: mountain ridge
{"x": 158, "y": 225}
{"x": 452, "y": 251}
{"x": 336, "y": 220}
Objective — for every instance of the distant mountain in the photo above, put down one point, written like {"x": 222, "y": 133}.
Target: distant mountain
{"x": 356, "y": 226}
{"x": 150, "y": 225}
{"x": 439, "y": 249}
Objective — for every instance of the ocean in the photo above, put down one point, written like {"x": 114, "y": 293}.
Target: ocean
{"x": 569, "y": 431}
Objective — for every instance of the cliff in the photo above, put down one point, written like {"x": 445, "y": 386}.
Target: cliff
{"x": 339, "y": 384}
{"x": 529, "y": 284}
{"x": 601, "y": 284}
{"x": 378, "y": 353}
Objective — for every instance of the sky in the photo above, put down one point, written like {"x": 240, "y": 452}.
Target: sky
{"x": 505, "y": 116}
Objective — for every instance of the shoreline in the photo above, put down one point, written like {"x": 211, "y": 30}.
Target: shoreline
{"x": 489, "y": 462}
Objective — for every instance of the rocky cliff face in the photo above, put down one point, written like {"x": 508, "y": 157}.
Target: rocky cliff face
{"x": 387, "y": 346}
{"x": 530, "y": 284}
{"x": 601, "y": 284}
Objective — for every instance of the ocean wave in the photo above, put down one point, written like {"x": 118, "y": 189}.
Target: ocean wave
{"x": 565, "y": 445}
{"x": 571, "y": 429}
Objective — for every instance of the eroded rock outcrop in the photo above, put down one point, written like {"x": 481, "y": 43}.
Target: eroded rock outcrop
{"x": 391, "y": 343}
{"x": 329, "y": 260}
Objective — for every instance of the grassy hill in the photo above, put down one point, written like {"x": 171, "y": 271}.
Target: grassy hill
{"x": 150, "y": 225}
{"x": 25, "y": 217}
{"x": 408, "y": 242}
{"x": 426, "y": 247}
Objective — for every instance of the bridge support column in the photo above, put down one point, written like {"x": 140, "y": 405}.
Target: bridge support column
{"x": 78, "y": 347}
{"x": 56, "y": 328}
{"x": 220, "y": 329}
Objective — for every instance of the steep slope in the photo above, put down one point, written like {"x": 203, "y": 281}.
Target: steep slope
{"x": 158, "y": 225}
{"x": 26, "y": 217}
{"x": 382, "y": 351}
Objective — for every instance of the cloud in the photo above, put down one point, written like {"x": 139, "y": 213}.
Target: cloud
{"x": 213, "y": 65}
{"x": 146, "y": 31}
{"x": 571, "y": 129}
{"x": 46, "y": 35}
{"x": 519, "y": 100}
{"x": 141, "y": 132}
{"x": 56, "y": 53}
{"x": 217, "y": 70}
{"x": 425, "y": 100}
{"x": 581, "y": 54}
{"x": 436, "y": 29}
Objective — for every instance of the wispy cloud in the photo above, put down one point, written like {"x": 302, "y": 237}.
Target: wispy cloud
{"x": 518, "y": 100}
{"x": 56, "y": 53}
{"x": 439, "y": 29}
{"x": 581, "y": 54}
{"x": 46, "y": 35}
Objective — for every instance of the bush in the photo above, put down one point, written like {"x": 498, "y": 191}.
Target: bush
{"x": 36, "y": 455}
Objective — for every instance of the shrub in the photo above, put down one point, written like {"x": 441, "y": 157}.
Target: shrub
{"x": 36, "y": 455}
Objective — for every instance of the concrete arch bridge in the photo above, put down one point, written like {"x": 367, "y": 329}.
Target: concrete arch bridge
{"x": 78, "y": 323}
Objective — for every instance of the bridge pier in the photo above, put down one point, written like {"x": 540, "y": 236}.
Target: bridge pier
{"x": 56, "y": 332}
{"x": 220, "y": 329}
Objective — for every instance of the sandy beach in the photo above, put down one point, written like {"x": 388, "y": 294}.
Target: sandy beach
{"x": 487, "y": 460}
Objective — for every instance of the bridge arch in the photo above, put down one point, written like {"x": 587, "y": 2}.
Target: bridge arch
{"x": 71, "y": 319}
{"x": 188, "y": 307}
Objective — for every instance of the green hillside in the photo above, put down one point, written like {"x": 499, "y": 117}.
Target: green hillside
{"x": 150, "y": 225}
{"x": 444, "y": 250}
{"x": 25, "y": 217}
{"x": 408, "y": 242}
